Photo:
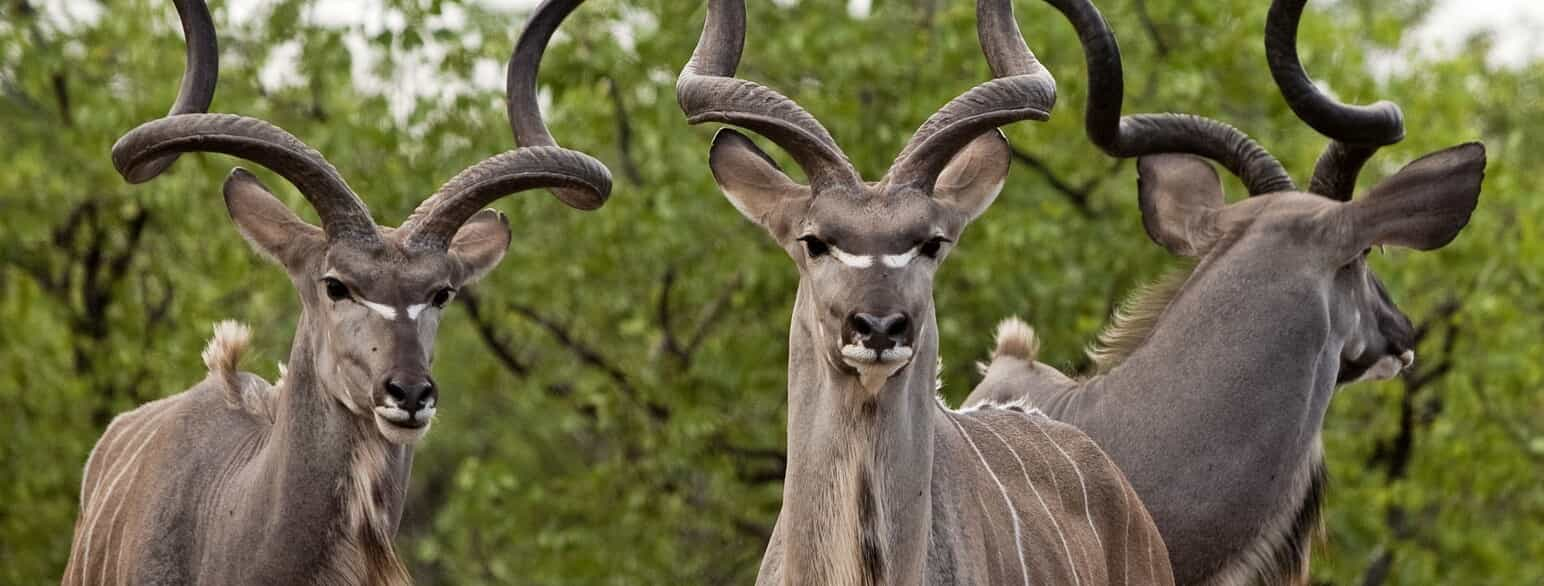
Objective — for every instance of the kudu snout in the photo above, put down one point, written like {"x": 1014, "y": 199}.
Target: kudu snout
{"x": 878, "y": 332}
{"x": 410, "y": 393}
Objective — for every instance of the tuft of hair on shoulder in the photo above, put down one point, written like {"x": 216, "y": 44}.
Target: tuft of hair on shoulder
{"x": 222, "y": 356}
{"x": 1016, "y": 339}
{"x": 223, "y": 353}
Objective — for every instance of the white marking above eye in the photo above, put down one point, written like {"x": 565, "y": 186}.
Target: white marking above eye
{"x": 896, "y": 261}
{"x": 857, "y": 261}
{"x": 386, "y": 311}
{"x": 414, "y": 310}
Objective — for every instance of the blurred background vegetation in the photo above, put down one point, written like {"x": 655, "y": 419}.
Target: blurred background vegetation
{"x": 614, "y": 404}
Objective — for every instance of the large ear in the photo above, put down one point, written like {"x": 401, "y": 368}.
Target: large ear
{"x": 1179, "y": 196}
{"x": 749, "y": 178}
{"x": 271, "y": 227}
{"x": 974, "y": 177}
{"x": 480, "y": 243}
{"x": 1425, "y": 204}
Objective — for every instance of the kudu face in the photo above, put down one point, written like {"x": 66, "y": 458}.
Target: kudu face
{"x": 866, "y": 251}
{"x": 866, "y": 256}
{"x": 1318, "y": 245}
{"x": 372, "y": 294}
{"x": 373, "y": 306}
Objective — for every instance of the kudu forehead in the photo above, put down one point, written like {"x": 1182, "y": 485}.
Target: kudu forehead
{"x": 1305, "y": 217}
{"x": 390, "y": 273}
{"x": 875, "y": 223}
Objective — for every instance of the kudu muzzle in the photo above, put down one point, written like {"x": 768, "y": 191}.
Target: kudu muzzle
{"x": 877, "y": 332}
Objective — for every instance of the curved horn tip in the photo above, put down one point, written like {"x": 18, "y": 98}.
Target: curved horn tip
{"x": 725, "y": 136}
{"x": 1396, "y": 121}
{"x": 583, "y": 200}
{"x": 240, "y": 174}
{"x": 144, "y": 173}
{"x": 486, "y": 213}
{"x": 125, "y": 163}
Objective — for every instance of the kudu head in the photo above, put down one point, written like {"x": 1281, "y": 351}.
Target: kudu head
{"x": 1315, "y": 242}
{"x": 866, "y": 251}
{"x": 372, "y": 295}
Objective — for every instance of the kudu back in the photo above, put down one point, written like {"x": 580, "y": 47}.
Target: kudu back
{"x": 885, "y": 485}
{"x": 1212, "y": 385}
{"x": 302, "y": 481}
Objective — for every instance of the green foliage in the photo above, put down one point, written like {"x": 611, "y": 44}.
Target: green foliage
{"x": 614, "y": 405}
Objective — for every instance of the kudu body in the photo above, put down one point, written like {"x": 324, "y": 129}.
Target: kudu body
{"x": 238, "y": 481}
{"x": 884, "y": 484}
{"x": 1212, "y": 385}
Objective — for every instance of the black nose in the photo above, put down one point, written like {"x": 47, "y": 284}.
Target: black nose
{"x": 410, "y": 394}
{"x": 879, "y": 332}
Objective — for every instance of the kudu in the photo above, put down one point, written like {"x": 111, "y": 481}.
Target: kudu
{"x": 236, "y": 481}
{"x": 884, "y": 484}
{"x": 1212, "y": 385}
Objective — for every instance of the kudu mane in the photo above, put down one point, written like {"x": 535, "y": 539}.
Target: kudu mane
{"x": 1134, "y": 319}
{"x": 364, "y": 544}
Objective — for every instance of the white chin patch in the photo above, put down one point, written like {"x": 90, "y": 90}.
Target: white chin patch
{"x": 1388, "y": 367}
{"x": 875, "y": 366}
{"x": 393, "y": 422}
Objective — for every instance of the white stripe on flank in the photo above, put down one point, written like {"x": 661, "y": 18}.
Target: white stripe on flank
{"x": 1017, "y": 540}
{"x": 1071, "y": 562}
{"x": 107, "y": 496}
{"x": 1086, "y": 512}
{"x": 896, "y": 261}
{"x": 386, "y": 311}
{"x": 857, "y": 261}
{"x": 414, "y": 310}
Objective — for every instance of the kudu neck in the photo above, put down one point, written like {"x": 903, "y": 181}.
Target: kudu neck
{"x": 859, "y": 463}
{"x": 317, "y": 435}
{"x": 1245, "y": 332}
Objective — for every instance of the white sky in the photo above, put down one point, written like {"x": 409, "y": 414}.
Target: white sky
{"x": 1517, "y": 25}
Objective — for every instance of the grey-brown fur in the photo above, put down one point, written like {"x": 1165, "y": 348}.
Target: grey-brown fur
{"x": 1215, "y": 415}
{"x": 1212, "y": 387}
{"x": 238, "y": 481}
{"x": 885, "y": 485}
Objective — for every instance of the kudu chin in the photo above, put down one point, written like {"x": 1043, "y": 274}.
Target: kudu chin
{"x": 302, "y": 481}
{"x": 885, "y": 485}
{"x": 1212, "y": 385}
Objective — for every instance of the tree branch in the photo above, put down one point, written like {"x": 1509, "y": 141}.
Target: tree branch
{"x": 490, "y": 336}
{"x": 624, "y": 133}
{"x": 709, "y": 317}
{"x": 1394, "y": 454}
{"x": 1151, "y": 27}
{"x": 1077, "y": 195}
{"x": 593, "y": 358}
{"x": 667, "y": 340}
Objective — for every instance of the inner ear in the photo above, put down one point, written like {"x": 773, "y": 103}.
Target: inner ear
{"x": 1426, "y": 203}
{"x": 1179, "y": 196}
{"x": 976, "y": 174}
{"x": 480, "y": 243}
{"x": 270, "y": 226}
{"x": 750, "y": 178}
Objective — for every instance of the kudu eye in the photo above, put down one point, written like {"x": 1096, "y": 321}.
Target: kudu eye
{"x": 336, "y": 290}
{"x": 1362, "y": 256}
{"x": 442, "y": 297}
{"x": 814, "y": 246}
{"x": 932, "y": 247}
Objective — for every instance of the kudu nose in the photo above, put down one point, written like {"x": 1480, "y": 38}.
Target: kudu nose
{"x": 411, "y": 395}
{"x": 879, "y": 332}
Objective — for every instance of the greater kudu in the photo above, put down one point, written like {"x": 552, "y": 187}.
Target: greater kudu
{"x": 236, "y": 481}
{"x": 885, "y": 484}
{"x": 1213, "y": 384}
